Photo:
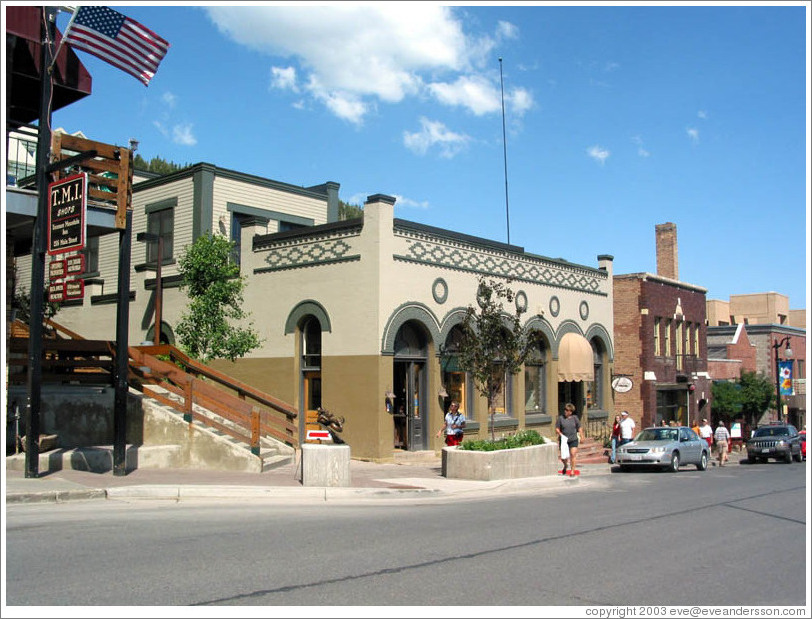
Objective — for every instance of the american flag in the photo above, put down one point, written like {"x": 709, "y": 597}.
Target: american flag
{"x": 117, "y": 39}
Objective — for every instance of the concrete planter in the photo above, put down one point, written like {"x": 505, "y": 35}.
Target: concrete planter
{"x": 533, "y": 461}
{"x": 326, "y": 466}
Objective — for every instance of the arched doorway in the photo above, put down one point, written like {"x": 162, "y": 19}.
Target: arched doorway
{"x": 410, "y": 388}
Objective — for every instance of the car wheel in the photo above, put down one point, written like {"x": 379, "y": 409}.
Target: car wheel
{"x": 674, "y": 466}
{"x": 702, "y": 465}
{"x": 788, "y": 457}
{"x": 798, "y": 457}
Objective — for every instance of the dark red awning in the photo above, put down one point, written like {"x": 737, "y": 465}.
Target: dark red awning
{"x": 71, "y": 79}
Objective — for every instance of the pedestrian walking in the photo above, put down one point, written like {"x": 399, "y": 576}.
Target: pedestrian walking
{"x": 453, "y": 425}
{"x": 722, "y": 439}
{"x": 568, "y": 428}
{"x": 627, "y": 426}
{"x": 615, "y": 439}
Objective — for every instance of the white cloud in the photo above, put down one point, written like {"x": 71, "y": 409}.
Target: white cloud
{"x": 351, "y": 56}
{"x": 506, "y": 30}
{"x": 702, "y": 114}
{"x": 693, "y": 134}
{"x": 640, "y": 148}
{"x": 474, "y": 92}
{"x": 409, "y": 203}
{"x": 435, "y": 134}
{"x": 284, "y": 78}
{"x": 182, "y": 134}
{"x": 169, "y": 99}
{"x": 598, "y": 153}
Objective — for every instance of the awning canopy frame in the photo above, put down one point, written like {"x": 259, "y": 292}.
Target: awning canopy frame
{"x": 575, "y": 359}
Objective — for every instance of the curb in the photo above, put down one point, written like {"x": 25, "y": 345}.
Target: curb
{"x": 56, "y": 496}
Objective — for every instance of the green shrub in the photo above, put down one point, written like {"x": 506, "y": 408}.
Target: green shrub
{"x": 524, "y": 438}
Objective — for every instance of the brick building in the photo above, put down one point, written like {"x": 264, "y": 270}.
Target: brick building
{"x": 660, "y": 340}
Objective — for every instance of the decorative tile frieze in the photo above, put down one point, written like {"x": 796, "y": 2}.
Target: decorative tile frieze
{"x": 430, "y": 252}
{"x": 300, "y": 253}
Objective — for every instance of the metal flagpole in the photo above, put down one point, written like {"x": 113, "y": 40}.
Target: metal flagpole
{"x": 504, "y": 145}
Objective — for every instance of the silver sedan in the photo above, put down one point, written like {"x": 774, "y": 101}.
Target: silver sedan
{"x": 664, "y": 447}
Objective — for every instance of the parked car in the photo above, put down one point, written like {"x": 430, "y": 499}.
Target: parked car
{"x": 664, "y": 447}
{"x": 780, "y": 441}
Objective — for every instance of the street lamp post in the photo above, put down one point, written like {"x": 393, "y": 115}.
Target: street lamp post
{"x": 788, "y": 354}
{"x": 150, "y": 237}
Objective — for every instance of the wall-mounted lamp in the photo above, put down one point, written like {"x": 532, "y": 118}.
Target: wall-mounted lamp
{"x": 442, "y": 393}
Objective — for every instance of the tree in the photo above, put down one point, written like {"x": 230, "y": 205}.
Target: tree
{"x": 749, "y": 396}
{"x": 156, "y": 164}
{"x": 727, "y": 400}
{"x": 349, "y": 211}
{"x": 494, "y": 345}
{"x": 210, "y": 328}
{"x": 757, "y": 393}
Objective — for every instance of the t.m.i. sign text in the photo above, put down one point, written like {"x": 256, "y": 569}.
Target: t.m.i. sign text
{"x": 67, "y": 206}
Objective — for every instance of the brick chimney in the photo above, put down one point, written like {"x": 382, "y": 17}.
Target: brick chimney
{"x": 667, "y": 264}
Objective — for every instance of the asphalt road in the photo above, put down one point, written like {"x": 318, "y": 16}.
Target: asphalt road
{"x": 727, "y": 536}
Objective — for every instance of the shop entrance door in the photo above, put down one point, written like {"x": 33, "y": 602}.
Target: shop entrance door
{"x": 409, "y": 410}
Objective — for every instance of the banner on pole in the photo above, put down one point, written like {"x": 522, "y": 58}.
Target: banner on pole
{"x": 785, "y": 377}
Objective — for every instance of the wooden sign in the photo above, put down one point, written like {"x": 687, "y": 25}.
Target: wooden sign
{"x": 56, "y": 292}
{"x": 67, "y": 207}
{"x": 75, "y": 289}
{"x": 75, "y": 265}
{"x": 56, "y": 269}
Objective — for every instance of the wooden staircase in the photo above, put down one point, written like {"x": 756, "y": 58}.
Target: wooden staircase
{"x": 204, "y": 397}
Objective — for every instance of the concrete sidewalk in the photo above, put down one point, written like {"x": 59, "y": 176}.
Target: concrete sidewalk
{"x": 368, "y": 480}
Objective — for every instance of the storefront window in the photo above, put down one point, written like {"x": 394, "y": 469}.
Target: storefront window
{"x": 535, "y": 382}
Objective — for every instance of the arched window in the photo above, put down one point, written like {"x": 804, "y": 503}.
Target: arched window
{"x": 455, "y": 380}
{"x": 311, "y": 363}
{"x": 535, "y": 381}
{"x": 594, "y": 393}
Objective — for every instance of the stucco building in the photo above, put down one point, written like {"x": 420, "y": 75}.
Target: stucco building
{"x": 355, "y": 315}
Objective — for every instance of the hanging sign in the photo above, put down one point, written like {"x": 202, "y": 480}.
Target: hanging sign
{"x": 56, "y": 269}
{"x": 75, "y": 289}
{"x": 75, "y": 265}
{"x": 56, "y": 292}
{"x": 67, "y": 208}
{"x": 622, "y": 384}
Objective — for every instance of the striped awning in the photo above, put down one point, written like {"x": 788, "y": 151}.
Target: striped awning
{"x": 575, "y": 359}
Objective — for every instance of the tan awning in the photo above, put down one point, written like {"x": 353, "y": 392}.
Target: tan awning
{"x": 575, "y": 360}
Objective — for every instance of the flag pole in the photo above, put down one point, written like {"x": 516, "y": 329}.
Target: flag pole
{"x": 65, "y": 34}
{"x": 504, "y": 146}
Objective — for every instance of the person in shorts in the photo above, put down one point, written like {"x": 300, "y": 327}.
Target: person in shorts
{"x": 722, "y": 439}
{"x": 453, "y": 425}
{"x": 569, "y": 426}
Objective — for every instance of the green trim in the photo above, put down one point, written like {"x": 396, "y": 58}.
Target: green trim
{"x": 161, "y": 205}
{"x": 109, "y": 299}
{"x": 308, "y": 308}
{"x": 268, "y": 214}
{"x": 403, "y": 314}
{"x": 306, "y": 265}
{"x": 515, "y": 278}
{"x": 203, "y": 201}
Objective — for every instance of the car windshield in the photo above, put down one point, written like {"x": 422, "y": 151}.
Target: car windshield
{"x": 658, "y": 434}
{"x": 767, "y": 431}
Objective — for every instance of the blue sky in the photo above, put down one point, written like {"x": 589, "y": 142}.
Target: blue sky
{"x": 617, "y": 118}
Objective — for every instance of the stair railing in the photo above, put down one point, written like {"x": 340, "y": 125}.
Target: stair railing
{"x": 251, "y": 412}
